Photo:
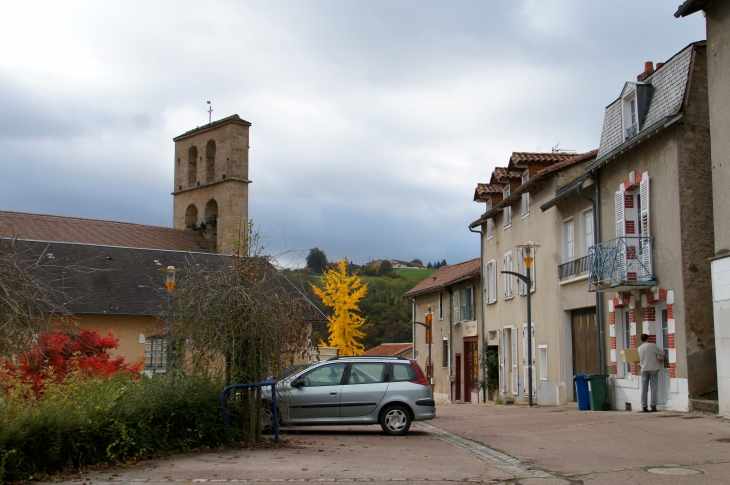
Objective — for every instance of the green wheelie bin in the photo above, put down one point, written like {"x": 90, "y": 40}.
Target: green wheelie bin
{"x": 597, "y": 393}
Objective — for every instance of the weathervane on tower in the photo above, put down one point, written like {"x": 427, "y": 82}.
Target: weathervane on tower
{"x": 210, "y": 113}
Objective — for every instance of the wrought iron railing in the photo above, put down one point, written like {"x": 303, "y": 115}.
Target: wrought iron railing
{"x": 572, "y": 268}
{"x": 622, "y": 261}
{"x": 631, "y": 132}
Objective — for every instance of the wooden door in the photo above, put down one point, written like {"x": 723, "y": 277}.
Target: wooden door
{"x": 584, "y": 330}
{"x": 457, "y": 384}
{"x": 471, "y": 367}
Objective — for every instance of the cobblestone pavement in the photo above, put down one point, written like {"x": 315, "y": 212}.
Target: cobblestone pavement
{"x": 471, "y": 443}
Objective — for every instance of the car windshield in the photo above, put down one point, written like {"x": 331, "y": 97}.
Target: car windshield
{"x": 289, "y": 371}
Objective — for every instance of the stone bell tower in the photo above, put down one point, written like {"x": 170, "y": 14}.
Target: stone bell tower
{"x": 211, "y": 181}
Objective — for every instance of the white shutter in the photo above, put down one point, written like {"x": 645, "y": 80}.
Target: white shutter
{"x": 502, "y": 363}
{"x": 645, "y": 225}
{"x": 520, "y": 283}
{"x": 570, "y": 241}
{"x": 493, "y": 282}
{"x": 589, "y": 230}
{"x": 472, "y": 304}
{"x": 506, "y": 277}
{"x": 533, "y": 274}
{"x": 457, "y": 308}
{"x": 620, "y": 232}
{"x": 515, "y": 377}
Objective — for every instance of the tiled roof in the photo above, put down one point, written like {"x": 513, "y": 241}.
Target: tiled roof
{"x": 445, "y": 276}
{"x": 501, "y": 173}
{"x": 42, "y": 227}
{"x": 91, "y": 279}
{"x": 544, "y": 158}
{"x": 667, "y": 88}
{"x": 389, "y": 350}
{"x": 533, "y": 183}
{"x": 483, "y": 190}
{"x": 215, "y": 124}
{"x": 575, "y": 159}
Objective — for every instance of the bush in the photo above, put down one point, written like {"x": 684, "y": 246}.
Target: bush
{"x": 84, "y": 420}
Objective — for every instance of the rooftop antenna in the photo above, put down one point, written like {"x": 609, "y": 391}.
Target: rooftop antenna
{"x": 557, "y": 149}
{"x": 210, "y": 113}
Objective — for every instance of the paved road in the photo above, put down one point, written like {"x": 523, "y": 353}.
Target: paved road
{"x": 527, "y": 446}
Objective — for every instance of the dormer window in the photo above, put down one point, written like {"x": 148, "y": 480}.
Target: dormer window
{"x": 630, "y": 116}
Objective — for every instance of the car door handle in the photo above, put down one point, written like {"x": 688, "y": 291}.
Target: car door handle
{"x": 333, "y": 392}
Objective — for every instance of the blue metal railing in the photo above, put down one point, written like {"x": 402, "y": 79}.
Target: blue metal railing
{"x": 620, "y": 261}
{"x": 274, "y": 408}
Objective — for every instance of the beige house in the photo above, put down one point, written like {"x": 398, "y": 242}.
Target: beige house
{"x": 655, "y": 230}
{"x": 449, "y": 299}
{"x": 717, "y": 15}
{"x": 513, "y": 216}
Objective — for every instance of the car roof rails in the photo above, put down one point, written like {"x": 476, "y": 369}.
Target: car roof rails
{"x": 369, "y": 357}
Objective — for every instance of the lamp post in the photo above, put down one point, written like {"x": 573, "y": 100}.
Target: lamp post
{"x": 527, "y": 251}
{"x": 429, "y": 332}
{"x": 170, "y": 284}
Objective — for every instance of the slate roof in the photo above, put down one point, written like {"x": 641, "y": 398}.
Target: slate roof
{"x": 215, "y": 124}
{"x": 106, "y": 280}
{"x": 667, "y": 89}
{"x": 389, "y": 350}
{"x": 43, "y": 227}
{"x": 445, "y": 276}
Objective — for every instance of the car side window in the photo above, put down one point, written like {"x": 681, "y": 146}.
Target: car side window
{"x": 403, "y": 372}
{"x": 327, "y": 375}
{"x": 366, "y": 373}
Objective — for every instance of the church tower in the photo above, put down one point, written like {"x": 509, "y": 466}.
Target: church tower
{"x": 211, "y": 181}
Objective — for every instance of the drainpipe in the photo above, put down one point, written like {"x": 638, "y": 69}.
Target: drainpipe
{"x": 451, "y": 341}
{"x": 599, "y": 295}
{"x": 413, "y": 326}
{"x": 481, "y": 308}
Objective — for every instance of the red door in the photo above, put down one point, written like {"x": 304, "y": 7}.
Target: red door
{"x": 471, "y": 367}
{"x": 457, "y": 384}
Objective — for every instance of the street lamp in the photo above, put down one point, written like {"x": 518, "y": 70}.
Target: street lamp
{"x": 170, "y": 284}
{"x": 527, "y": 251}
{"x": 429, "y": 333}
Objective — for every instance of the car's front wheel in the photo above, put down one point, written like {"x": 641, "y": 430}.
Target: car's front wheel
{"x": 395, "y": 420}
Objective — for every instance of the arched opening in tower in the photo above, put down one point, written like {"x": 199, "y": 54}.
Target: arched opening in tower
{"x": 211, "y": 223}
{"x": 191, "y": 216}
{"x": 192, "y": 166}
{"x": 210, "y": 161}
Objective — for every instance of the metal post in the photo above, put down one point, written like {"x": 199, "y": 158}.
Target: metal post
{"x": 529, "y": 340}
{"x": 168, "y": 350}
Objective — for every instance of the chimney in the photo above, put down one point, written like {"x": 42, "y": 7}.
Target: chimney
{"x": 648, "y": 70}
{"x": 658, "y": 65}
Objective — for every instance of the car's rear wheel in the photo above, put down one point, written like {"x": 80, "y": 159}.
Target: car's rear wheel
{"x": 395, "y": 421}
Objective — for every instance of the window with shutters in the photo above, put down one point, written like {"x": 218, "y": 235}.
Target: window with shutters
{"x": 507, "y": 210}
{"x": 630, "y": 115}
{"x": 508, "y": 278}
{"x": 155, "y": 355}
{"x": 525, "y": 195}
{"x": 568, "y": 240}
{"x": 457, "y": 308}
{"x": 491, "y": 282}
{"x": 467, "y": 303}
{"x": 587, "y": 231}
{"x": 445, "y": 353}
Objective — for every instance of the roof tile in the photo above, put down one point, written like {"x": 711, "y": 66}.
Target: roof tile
{"x": 446, "y": 275}
{"x": 43, "y": 227}
{"x": 389, "y": 350}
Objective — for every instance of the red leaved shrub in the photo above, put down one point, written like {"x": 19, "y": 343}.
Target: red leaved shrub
{"x": 56, "y": 355}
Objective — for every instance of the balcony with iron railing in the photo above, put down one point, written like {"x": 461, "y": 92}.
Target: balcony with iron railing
{"x": 621, "y": 264}
{"x": 573, "y": 268}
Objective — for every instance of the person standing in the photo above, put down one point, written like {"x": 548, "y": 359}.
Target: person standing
{"x": 652, "y": 361}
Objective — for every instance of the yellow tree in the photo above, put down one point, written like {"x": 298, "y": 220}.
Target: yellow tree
{"x": 342, "y": 293}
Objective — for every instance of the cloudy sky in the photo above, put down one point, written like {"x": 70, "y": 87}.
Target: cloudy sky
{"x": 372, "y": 120}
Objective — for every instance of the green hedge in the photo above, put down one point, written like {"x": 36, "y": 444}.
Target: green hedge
{"x": 93, "y": 421}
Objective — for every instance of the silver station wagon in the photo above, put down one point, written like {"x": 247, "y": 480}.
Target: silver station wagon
{"x": 392, "y": 391}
